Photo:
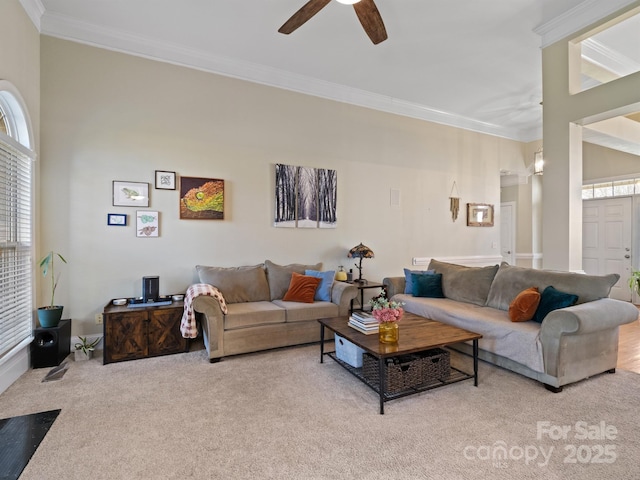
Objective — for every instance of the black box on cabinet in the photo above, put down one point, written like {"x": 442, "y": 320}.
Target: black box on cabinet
{"x": 150, "y": 289}
{"x": 51, "y": 345}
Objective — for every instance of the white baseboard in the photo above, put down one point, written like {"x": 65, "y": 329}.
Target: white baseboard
{"x": 13, "y": 368}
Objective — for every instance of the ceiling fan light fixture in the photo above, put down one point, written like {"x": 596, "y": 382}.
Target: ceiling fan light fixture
{"x": 347, "y": 2}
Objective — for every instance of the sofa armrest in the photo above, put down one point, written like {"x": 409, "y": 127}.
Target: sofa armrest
{"x": 341, "y": 294}
{"x": 211, "y": 318}
{"x": 588, "y": 317}
{"x": 595, "y": 321}
{"x": 393, "y": 285}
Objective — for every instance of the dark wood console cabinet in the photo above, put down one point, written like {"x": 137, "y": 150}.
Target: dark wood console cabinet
{"x": 132, "y": 333}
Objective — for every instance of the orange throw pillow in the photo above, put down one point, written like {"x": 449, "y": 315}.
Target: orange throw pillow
{"x": 524, "y": 306}
{"x": 302, "y": 288}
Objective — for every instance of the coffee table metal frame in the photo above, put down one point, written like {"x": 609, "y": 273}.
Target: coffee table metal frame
{"x": 417, "y": 334}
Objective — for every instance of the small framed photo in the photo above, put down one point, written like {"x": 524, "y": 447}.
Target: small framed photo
{"x": 147, "y": 223}
{"x": 130, "y": 194}
{"x": 479, "y": 215}
{"x": 116, "y": 219}
{"x": 165, "y": 180}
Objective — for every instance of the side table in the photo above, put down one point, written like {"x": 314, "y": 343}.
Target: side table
{"x": 362, "y": 286}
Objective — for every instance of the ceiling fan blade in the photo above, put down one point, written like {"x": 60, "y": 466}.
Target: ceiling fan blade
{"x": 371, "y": 20}
{"x": 307, "y": 11}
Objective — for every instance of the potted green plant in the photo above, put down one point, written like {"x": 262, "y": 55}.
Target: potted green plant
{"x": 85, "y": 348}
{"x": 634, "y": 281}
{"x": 50, "y": 315}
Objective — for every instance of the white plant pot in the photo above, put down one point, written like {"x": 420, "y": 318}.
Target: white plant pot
{"x": 81, "y": 356}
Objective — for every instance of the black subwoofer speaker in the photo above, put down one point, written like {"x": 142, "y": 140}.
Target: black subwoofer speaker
{"x": 51, "y": 345}
{"x": 150, "y": 289}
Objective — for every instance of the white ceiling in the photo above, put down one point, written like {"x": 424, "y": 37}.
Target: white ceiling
{"x": 469, "y": 63}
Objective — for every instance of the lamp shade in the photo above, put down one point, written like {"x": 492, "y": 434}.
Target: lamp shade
{"x": 360, "y": 251}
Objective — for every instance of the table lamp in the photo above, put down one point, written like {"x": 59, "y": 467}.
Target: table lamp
{"x": 360, "y": 251}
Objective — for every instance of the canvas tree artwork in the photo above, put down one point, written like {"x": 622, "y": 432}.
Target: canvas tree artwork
{"x": 305, "y": 197}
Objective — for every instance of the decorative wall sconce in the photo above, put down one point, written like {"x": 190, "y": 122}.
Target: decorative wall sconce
{"x": 454, "y": 202}
{"x": 538, "y": 163}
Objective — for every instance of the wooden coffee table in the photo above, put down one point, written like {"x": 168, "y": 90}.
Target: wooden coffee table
{"x": 417, "y": 334}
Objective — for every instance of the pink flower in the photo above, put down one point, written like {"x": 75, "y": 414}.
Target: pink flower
{"x": 386, "y": 314}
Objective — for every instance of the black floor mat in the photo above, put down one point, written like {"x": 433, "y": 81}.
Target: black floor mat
{"x": 19, "y": 439}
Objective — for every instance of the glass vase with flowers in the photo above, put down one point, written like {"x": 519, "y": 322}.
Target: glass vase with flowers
{"x": 388, "y": 314}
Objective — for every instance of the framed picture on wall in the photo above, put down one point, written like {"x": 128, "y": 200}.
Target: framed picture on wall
{"x": 201, "y": 198}
{"x": 130, "y": 194}
{"x": 147, "y": 223}
{"x": 165, "y": 180}
{"x": 116, "y": 219}
{"x": 479, "y": 215}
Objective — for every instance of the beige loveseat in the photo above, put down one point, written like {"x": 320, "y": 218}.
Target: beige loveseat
{"x": 570, "y": 343}
{"x": 257, "y": 317}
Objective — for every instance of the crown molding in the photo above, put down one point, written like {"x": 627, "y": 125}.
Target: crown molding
{"x": 35, "y": 10}
{"x": 577, "y": 18}
{"x": 67, "y": 28}
{"x": 608, "y": 59}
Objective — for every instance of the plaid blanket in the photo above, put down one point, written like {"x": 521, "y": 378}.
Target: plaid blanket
{"x": 188, "y": 327}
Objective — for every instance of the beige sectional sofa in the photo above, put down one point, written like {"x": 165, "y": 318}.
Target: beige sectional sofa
{"x": 570, "y": 343}
{"x": 257, "y": 318}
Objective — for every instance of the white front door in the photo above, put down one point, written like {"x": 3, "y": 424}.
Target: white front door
{"x": 606, "y": 241}
{"x": 508, "y": 232}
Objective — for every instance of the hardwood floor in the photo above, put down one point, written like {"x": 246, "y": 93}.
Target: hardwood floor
{"x": 629, "y": 347}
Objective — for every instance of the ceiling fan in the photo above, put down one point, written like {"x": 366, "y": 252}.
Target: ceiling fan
{"x": 366, "y": 11}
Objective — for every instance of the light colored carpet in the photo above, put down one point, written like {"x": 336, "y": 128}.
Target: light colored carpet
{"x": 283, "y": 415}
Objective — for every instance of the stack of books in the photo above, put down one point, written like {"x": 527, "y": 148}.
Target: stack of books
{"x": 363, "y": 322}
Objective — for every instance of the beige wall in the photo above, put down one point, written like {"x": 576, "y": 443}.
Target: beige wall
{"x": 110, "y": 116}
{"x": 601, "y": 162}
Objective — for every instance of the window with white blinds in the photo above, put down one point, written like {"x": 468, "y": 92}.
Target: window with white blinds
{"x": 15, "y": 247}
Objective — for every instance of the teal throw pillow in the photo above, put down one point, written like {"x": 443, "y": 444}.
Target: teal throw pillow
{"x": 427, "y": 285}
{"x": 407, "y": 278}
{"x": 552, "y": 299}
{"x": 323, "y": 292}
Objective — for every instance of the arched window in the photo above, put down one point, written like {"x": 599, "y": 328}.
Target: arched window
{"x": 4, "y": 128}
{"x": 16, "y": 243}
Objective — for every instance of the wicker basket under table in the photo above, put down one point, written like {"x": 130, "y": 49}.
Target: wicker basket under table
{"x": 408, "y": 371}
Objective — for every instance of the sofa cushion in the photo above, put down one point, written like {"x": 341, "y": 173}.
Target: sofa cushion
{"x": 518, "y": 341}
{"x": 303, "y": 312}
{"x": 427, "y": 285}
{"x": 510, "y": 281}
{"x": 323, "y": 293}
{"x": 251, "y": 314}
{"x": 302, "y": 288}
{"x": 465, "y": 284}
{"x": 552, "y": 299}
{"x": 524, "y": 306}
{"x": 279, "y": 276}
{"x": 407, "y": 278}
{"x": 237, "y": 284}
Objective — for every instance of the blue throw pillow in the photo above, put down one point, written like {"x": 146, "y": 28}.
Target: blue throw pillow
{"x": 407, "y": 278}
{"x": 552, "y": 299}
{"x": 427, "y": 285}
{"x": 323, "y": 292}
